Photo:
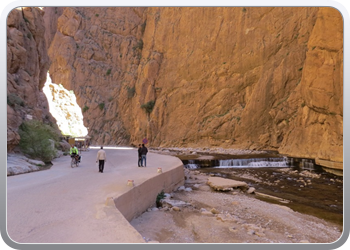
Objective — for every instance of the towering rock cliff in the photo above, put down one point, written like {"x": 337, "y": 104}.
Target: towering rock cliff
{"x": 257, "y": 77}
{"x": 27, "y": 66}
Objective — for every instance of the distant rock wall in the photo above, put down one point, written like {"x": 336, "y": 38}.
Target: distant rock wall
{"x": 234, "y": 77}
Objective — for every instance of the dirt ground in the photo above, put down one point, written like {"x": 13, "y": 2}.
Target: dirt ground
{"x": 229, "y": 217}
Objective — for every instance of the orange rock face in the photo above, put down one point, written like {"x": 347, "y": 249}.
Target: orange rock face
{"x": 234, "y": 77}
{"x": 27, "y": 66}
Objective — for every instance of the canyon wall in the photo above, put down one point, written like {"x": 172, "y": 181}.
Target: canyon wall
{"x": 27, "y": 66}
{"x": 234, "y": 77}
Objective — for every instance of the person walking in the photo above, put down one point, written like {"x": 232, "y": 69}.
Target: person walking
{"x": 139, "y": 156}
{"x": 144, "y": 152}
{"x": 101, "y": 159}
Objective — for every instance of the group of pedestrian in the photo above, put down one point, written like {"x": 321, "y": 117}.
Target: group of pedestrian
{"x": 101, "y": 157}
{"x": 142, "y": 152}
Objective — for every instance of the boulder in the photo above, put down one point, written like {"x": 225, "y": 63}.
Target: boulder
{"x": 65, "y": 146}
{"x": 251, "y": 190}
{"x": 19, "y": 164}
{"x": 214, "y": 211}
{"x": 174, "y": 203}
{"x": 222, "y": 184}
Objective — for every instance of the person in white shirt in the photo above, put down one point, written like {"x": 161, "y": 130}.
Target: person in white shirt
{"x": 101, "y": 158}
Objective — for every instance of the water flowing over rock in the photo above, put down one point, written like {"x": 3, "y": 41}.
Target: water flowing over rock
{"x": 252, "y": 78}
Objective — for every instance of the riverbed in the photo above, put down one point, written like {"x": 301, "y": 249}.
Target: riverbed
{"x": 305, "y": 186}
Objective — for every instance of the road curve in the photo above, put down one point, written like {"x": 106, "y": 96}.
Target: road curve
{"x": 68, "y": 205}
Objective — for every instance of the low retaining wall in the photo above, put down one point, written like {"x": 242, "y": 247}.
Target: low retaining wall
{"x": 134, "y": 202}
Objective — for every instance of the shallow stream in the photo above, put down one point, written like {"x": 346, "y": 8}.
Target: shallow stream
{"x": 308, "y": 188}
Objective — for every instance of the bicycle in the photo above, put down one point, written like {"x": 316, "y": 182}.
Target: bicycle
{"x": 75, "y": 161}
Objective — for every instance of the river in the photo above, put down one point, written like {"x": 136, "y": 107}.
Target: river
{"x": 306, "y": 186}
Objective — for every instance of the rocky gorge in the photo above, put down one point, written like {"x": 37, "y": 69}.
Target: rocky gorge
{"x": 254, "y": 78}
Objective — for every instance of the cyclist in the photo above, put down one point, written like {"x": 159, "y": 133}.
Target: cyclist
{"x": 74, "y": 152}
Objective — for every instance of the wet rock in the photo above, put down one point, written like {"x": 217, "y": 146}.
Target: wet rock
{"x": 306, "y": 173}
{"x": 225, "y": 217}
{"x": 214, "y": 211}
{"x": 272, "y": 197}
{"x": 206, "y": 212}
{"x": 251, "y": 190}
{"x": 167, "y": 196}
{"x": 174, "y": 203}
{"x": 222, "y": 184}
{"x": 204, "y": 188}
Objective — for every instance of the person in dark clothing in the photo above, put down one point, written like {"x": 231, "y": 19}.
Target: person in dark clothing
{"x": 144, "y": 152}
{"x": 139, "y": 156}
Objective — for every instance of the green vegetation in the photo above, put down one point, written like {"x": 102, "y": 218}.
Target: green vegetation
{"x": 131, "y": 92}
{"x": 221, "y": 115}
{"x": 148, "y": 107}
{"x": 38, "y": 140}
{"x": 97, "y": 15}
{"x": 143, "y": 27}
{"x": 13, "y": 100}
{"x": 101, "y": 105}
{"x": 139, "y": 45}
{"x": 244, "y": 10}
{"x": 160, "y": 196}
{"x": 108, "y": 72}
{"x": 300, "y": 69}
{"x": 86, "y": 108}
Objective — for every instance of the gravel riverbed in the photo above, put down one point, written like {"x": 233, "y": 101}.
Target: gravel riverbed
{"x": 229, "y": 217}
{"x": 234, "y": 216}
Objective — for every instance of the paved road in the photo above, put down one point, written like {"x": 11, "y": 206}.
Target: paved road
{"x": 65, "y": 205}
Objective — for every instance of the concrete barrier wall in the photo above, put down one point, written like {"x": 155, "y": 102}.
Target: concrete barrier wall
{"x": 134, "y": 202}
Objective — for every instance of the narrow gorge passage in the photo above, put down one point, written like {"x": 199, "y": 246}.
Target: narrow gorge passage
{"x": 64, "y": 108}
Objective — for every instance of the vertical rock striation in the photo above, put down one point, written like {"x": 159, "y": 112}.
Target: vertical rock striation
{"x": 316, "y": 129}
{"x": 233, "y": 77}
{"x": 27, "y": 65}
{"x": 96, "y": 52}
